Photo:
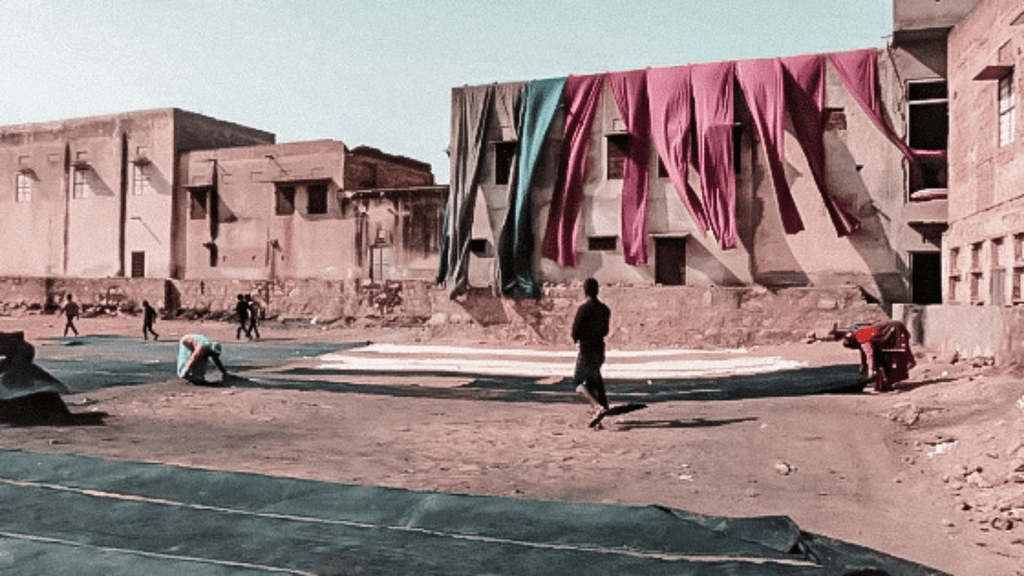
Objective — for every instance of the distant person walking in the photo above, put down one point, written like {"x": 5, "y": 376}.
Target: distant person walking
{"x": 148, "y": 319}
{"x": 242, "y": 310}
{"x": 71, "y": 311}
{"x": 254, "y": 315}
{"x": 589, "y": 330}
{"x": 193, "y": 352}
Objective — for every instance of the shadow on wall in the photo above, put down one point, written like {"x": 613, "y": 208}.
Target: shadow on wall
{"x": 872, "y": 241}
{"x": 700, "y": 258}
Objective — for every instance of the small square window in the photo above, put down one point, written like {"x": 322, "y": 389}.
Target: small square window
{"x": 316, "y": 199}
{"x": 140, "y": 179}
{"x": 198, "y": 204}
{"x": 284, "y": 200}
{"x": 602, "y": 243}
{"x": 478, "y": 246}
{"x": 504, "y": 155}
{"x": 80, "y": 183}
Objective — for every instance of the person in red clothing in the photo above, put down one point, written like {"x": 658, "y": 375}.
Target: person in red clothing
{"x": 589, "y": 329}
{"x": 885, "y": 354}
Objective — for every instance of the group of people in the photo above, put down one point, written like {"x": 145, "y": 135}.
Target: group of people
{"x": 248, "y": 312}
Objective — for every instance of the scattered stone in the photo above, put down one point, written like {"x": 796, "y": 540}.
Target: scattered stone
{"x": 947, "y": 523}
{"x": 906, "y": 414}
{"x": 1001, "y": 523}
{"x": 784, "y": 468}
{"x": 976, "y": 479}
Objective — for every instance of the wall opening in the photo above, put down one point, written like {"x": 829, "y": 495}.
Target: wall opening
{"x": 670, "y": 261}
{"x": 926, "y": 277}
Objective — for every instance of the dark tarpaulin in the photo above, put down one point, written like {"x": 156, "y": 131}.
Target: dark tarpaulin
{"x": 630, "y": 91}
{"x": 581, "y": 93}
{"x": 471, "y": 109}
{"x": 539, "y": 104}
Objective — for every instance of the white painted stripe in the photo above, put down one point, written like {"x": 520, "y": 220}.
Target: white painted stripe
{"x": 467, "y": 351}
{"x": 668, "y": 556}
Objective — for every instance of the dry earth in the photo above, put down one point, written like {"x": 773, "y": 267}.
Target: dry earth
{"x": 933, "y": 473}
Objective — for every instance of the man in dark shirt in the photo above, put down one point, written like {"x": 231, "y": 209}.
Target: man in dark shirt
{"x": 589, "y": 329}
{"x": 242, "y": 310}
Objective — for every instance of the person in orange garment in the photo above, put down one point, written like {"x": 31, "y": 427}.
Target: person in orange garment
{"x": 885, "y": 355}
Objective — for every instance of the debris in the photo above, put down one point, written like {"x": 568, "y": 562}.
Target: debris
{"x": 978, "y": 480}
{"x": 942, "y": 447}
{"x": 1001, "y": 523}
{"x": 906, "y": 414}
{"x": 784, "y": 468}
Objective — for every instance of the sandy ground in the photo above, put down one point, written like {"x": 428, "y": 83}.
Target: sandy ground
{"x": 933, "y": 473}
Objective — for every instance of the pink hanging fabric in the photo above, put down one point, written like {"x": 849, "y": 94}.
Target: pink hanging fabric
{"x": 858, "y": 70}
{"x": 713, "y": 107}
{"x": 581, "y": 93}
{"x": 630, "y": 91}
{"x": 764, "y": 89}
{"x": 670, "y": 94}
{"x": 804, "y": 80}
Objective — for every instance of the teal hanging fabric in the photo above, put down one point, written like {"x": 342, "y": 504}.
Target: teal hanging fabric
{"x": 471, "y": 109}
{"x": 540, "y": 102}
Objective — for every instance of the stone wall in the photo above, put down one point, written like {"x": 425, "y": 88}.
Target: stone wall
{"x": 642, "y": 317}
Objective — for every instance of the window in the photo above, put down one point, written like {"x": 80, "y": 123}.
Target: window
{"x": 504, "y": 155}
{"x": 284, "y": 200}
{"x": 23, "y": 185}
{"x": 927, "y": 129}
{"x": 1007, "y": 104}
{"x": 976, "y": 256}
{"x": 478, "y": 246}
{"x": 138, "y": 264}
{"x": 140, "y": 179}
{"x": 997, "y": 276}
{"x": 316, "y": 199}
{"x": 618, "y": 150}
{"x": 602, "y": 243}
{"x": 80, "y": 183}
{"x": 197, "y": 207}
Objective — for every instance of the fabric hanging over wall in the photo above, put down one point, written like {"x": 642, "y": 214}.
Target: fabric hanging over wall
{"x": 764, "y": 90}
{"x": 804, "y": 78}
{"x": 581, "y": 93}
{"x": 507, "y": 108}
{"x": 471, "y": 109}
{"x": 858, "y": 70}
{"x": 713, "y": 110}
{"x": 670, "y": 94}
{"x": 540, "y": 102}
{"x": 630, "y": 91}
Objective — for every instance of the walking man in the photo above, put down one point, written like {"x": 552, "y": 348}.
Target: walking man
{"x": 254, "y": 315}
{"x": 71, "y": 311}
{"x": 242, "y": 309}
{"x": 148, "y": 318}
{"x": 589, "y": 330}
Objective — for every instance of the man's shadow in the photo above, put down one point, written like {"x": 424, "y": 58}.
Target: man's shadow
{"x": 677, "y": 423}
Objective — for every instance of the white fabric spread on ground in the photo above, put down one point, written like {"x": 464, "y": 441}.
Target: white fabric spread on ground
{"x": 655, "y": 364}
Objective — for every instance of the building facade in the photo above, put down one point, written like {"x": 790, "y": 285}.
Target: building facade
{"x": 985, "y": 242}
{"x": 870, "y": 199}
{"x": 308, "y": 210}
{"x": 93, "y": 197}
{"x": 173, "y": 194}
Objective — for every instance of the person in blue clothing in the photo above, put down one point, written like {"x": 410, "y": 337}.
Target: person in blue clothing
{"x": 193, "y": 352}
{"x": 589, "y": 329}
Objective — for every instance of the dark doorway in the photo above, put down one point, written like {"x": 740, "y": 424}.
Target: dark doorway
{"x": 670, "y": 261}
{"x": 926, "y": 277}
{"x": 138, "y": 264}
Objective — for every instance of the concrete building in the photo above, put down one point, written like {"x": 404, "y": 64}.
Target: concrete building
{"x": 308, "y": 210}
{"x": 93, "y": 197}
{"x": 177, "y": 195}
{"x": 900, "y": 203}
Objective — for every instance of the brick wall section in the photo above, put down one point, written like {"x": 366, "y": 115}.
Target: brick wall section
{"x": 642, "y": 317}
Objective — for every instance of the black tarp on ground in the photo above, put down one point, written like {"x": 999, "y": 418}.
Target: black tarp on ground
{"x": 110, "y": 517}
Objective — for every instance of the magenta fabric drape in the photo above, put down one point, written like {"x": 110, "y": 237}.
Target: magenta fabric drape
{"x": 713, "y": 111}
{"x": 764, "y": 89}
{"x": 804, "y": 79}
{"x": 858, "y": 70}
{"x": 581, "y": 95}
{"x": 670, "y": 96}
{"x": 630, "y": 91}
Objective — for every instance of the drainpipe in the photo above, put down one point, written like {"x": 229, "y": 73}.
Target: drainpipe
{"x": 66, "y": 185}
{"x": 122, "y": 220}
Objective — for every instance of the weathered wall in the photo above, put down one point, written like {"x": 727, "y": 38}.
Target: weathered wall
{"x": 866, "y": 173}
{"x": 642, "y": 317}
{"x": 967, "y": 331}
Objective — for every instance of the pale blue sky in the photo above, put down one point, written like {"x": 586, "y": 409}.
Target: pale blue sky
{"x": 375, "y": 73}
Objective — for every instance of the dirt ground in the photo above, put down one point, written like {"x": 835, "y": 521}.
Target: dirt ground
{"x": 933, "y": 473}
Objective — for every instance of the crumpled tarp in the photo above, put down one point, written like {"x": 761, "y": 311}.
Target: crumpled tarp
{"x": 19, "y": 376}
{"x": 290, "y": 524}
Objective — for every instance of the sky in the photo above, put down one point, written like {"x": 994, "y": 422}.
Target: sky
{"x": 375, "y": 72}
